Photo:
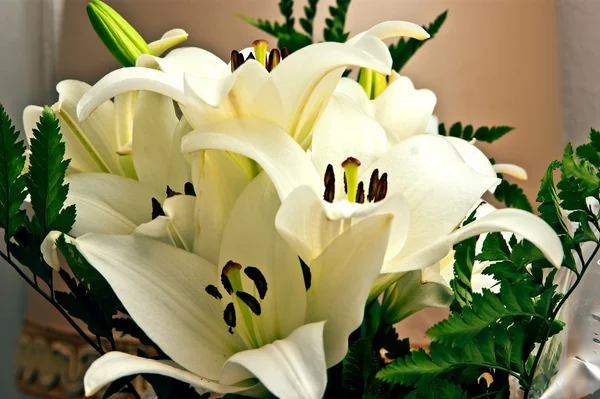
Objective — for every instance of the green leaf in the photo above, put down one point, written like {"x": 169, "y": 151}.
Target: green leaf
{"x": 464, "y": 258}
{"x": 45, "y": 179}
{"x": 169, "y": 388}
{"x": 549, "y": 208}
{"x": 309, "y": 16}
{"x": 80, "y": 304}
{"x": 12, "y": 182}
{"x": 117, "y": 386}
{"x": 486, "y": 309}
{"x": 491, "y": 134}
{"x": 286, "y": 7}
{"x": 335, "y": 25}
{"x": 512, "y": 195}
{"x": 404, "y": 49}
{"x": 494, "y": 248}
{"x": 127, "y": 326}
{"x": 583, "y": 171}
{"x": 359, "y": 365}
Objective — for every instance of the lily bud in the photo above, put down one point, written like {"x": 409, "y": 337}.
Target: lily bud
{"x": 121, "y": 39}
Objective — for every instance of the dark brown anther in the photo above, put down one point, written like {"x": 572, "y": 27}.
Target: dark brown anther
{"x": 329, "y": 181}
{"x": 226, "y": 284}
{"x": 213, "y": 291}
{"x": 250, "y": 57}
{"x": 156, "y": 209}
{"x": 241, "y": 59}
{"x": 171, "y": 192}
{"x": 259, "y": 280}
{"x": 360, "y": 193}
{"x": 235, "y": 60}
{"x": 306, "y": 274}
{"x": 229, "y": 316}
{"x": 188, "y": 189}
{"x": 274, "y": 59}
{"x": 373, "y": 183}
{"x": 382, "y": 188}
{"x": 284, "y": 53}
{"x": 250, "y": 301}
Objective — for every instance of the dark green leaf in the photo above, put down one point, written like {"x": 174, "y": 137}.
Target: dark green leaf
{"x": 12, "y": 182}
{"x": 512, "y": 195}
{"x": 359, "y": 366}
{"x": 117, "y": 386}
{"x": 335, "y": 25}
{"x": 491, "y": 134}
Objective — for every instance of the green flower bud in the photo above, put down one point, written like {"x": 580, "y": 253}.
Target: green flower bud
{"x": 124, "y": 42}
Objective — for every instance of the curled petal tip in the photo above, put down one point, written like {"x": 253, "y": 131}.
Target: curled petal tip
{"x": 511, "y": 170}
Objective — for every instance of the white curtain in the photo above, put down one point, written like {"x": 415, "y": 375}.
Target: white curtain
{"x": 29, "y": 37}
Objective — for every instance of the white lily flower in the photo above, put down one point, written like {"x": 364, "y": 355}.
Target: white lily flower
{"x": 257, "y": 319}
{"x": 424, "y": 170}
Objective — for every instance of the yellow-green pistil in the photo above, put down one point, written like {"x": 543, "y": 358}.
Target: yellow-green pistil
{"x": 350, "y": 166}
{"x": 373, "y": 83}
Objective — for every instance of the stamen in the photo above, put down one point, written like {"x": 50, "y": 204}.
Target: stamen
{"x": 260, "y": 51}
{"x": 373, "y": 183}
{"x": 306, "y": 274}
{"x": 382, "y": 188}
{"x": 250, "y": 301}
{"x": 329, "y": 181}
{"x": 274, "y": 59}
{"x": 350, "y": 166}
{"x": 365, "y": 79}
{"x": 213, "y": 291}
{"x": 229, "y": 316}
{"x": 226, "y": 284}
{"x": 235, "y": 60}
{"x": 156, "y": 209}
{"x": 360, "y": 193}
{"x": 188, "y": 189}
{"x": 250, "y": 57}
{"x": 259, "y": 280}
{"x": 171, "y": 192}
{"x": 284, "y": 53}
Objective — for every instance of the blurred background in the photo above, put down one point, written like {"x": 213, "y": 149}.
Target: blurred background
{"x": 528, "y": 64}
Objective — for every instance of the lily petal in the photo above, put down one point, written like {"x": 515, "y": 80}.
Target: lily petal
{"x": 511, "y": 170}
{"x": 402, "y": 110}
{"x": 162, "y": 287}
{"x": 354, "y": 90}
{"x": 129, "y": 79}
{"x": 411, "y": 294}
{"x": 124, "y": 116}
{"x": 519, "y": 222}
{"x": 279, "y": 155}
{"x": 190, "y": 60}
{"x": 108, "y": 203}
{"x": 250, "y": 238}
{"x": 343, "y": 131}
{"x": 50, "y": 251}
{"x": 389, "y": 29}
{"x": 473, "y": 157}
{"x": 337, "y": 294}
{"x": 115, "y": 365}
{"x": 170, "y": 39}
{"x": 290, "y": 368}
{"x": 153, "y": 129}
{"x": 309, "y": 224}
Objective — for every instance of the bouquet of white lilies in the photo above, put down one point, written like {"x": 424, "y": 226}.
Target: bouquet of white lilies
{"x": 260, "y": 224}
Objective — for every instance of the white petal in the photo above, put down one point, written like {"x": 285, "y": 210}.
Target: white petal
{"x": 345, "y": 131}
{"x": 115, "y": 365}
{"x": 188, "y": 60}
{"x": 250, "y": 238}
{"x": 299, "y": 74}
{"x": 162, "y": 288}
{"x": 402, "y": 110}
{"x": 123, "y": 121}
{"x": 169, "y": 39}
{"x": 50, "y": 251}
{"x": 410, "y": 294}
{"x": 180, "y": 171}
{"x": 158, "y": 228}
{"x": 109, "y": 204}
{"x": 290, "y": 368}
{"x": 180, "y": 209}
{"x": 218, "y": 181}
{"x": 280, "y": 156}
{"x": 354, "y": 90}
{"x": 388, "y": 29}
{"x": 153, "y": 129}
{"x": 433, "y": 125}
{"x": 342, "y": 277}
{"x": 309, "y": 224}
{"x": 129, "y": 79}
{"x": 511, "y": 170}
{"x": 473, "y": 157}
{"x": 519, "y": 222}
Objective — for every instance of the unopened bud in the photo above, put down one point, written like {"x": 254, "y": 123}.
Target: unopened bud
{"x": 121, "y": 39}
